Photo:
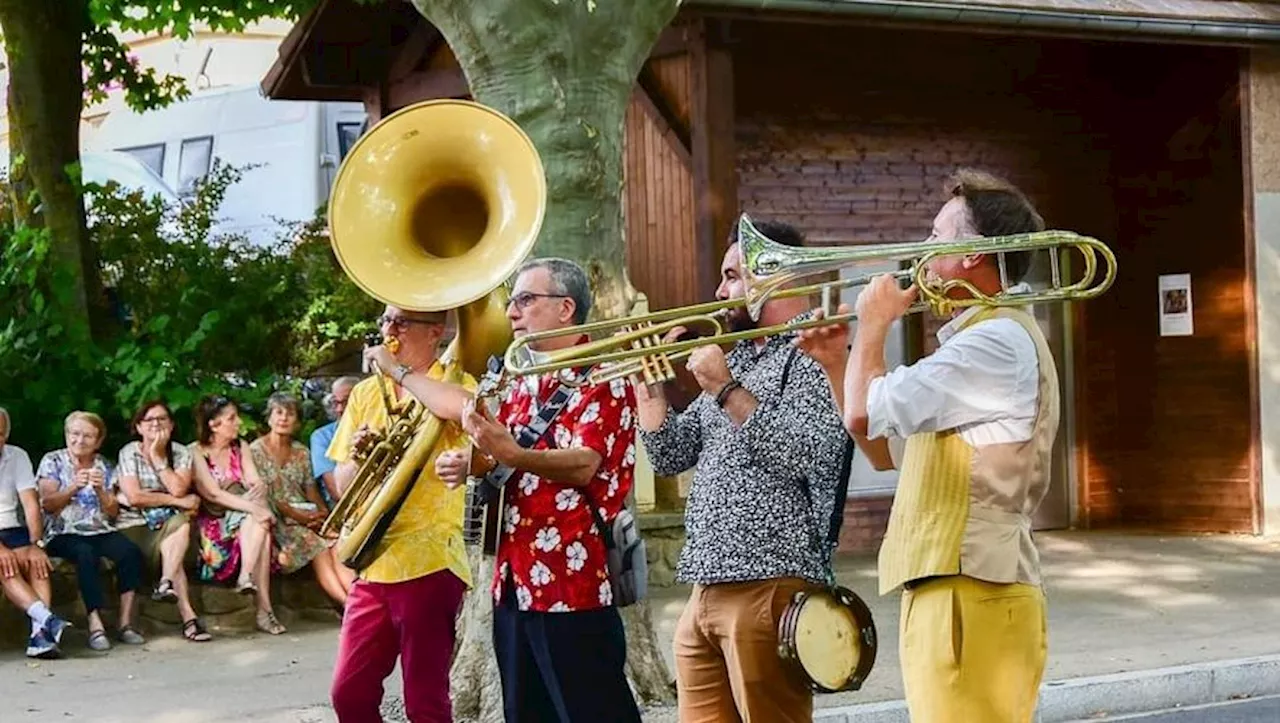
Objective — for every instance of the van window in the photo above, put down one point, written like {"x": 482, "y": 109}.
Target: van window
{"x": 194, "y": 163}
{"x": 348, "y": 134}
{"x": 152, "y": 156}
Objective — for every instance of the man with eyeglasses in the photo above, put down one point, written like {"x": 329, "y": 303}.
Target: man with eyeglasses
{"x": 406, "y": 599}
{"x": 557, "y": 634}
{"x": 322, "y": 468}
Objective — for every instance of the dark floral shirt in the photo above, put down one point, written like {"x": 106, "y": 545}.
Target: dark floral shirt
{"x": 748, "y": 516}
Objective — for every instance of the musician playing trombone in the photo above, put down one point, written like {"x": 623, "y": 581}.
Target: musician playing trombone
{"x": 978, "y": 417}
{"x": 768, "y": 447}
{"x": 557, "y": 633}
{"x": 405, "y": 602}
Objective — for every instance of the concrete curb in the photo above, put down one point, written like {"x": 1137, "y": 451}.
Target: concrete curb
{"x": 1077, "y": 699}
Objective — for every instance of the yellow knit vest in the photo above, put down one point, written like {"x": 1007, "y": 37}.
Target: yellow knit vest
{"x": 931, "y": 507}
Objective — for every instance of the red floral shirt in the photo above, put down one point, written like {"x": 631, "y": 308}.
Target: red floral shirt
{"x": 550, "y": 546}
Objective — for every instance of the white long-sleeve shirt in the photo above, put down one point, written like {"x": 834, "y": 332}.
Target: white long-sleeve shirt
{"x": 982, "y": 381}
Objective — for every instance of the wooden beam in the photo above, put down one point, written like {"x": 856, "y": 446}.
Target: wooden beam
{"x": 715, "y": 181}
{"x": 375, "y": 105}
{"x": 427, "y": 84}
{"x": 653, "y": 101}
{"x": 1244, "y": 101}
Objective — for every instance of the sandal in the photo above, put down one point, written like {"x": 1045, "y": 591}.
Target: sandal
{"x": 268, "y": 623}
{"x": 195, "y": 631}
{"x": 246, "y": 586}
{"x": 164, "y": 592}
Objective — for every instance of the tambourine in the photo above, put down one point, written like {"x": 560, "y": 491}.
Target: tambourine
{"x": 826, "y": 635}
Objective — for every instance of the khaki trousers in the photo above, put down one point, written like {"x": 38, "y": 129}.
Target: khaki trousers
{"x": 972, "y": 651}
{"x": 726, "y": 650}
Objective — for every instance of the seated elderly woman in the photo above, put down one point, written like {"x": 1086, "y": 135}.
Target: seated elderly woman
{"x": 77, "y": 489}
{"x": 285, "y": 466}
{"x": 24, "y": 567}
{"x": 155, "y": 482}
{"x": 235, "y": 521}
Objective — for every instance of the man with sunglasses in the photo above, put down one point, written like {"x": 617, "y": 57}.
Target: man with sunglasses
{"x": 557, "y": 634}
{"x": 405, "y": 601}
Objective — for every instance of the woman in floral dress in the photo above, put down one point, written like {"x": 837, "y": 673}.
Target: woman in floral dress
{"x": 285, "y": 467}
{"x": 235, "y": 521}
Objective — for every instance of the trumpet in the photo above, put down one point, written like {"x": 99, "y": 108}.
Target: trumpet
{"x": 635, "y": 345}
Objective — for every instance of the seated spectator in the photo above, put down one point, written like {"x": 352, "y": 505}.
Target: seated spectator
{"x": 335, "y": 403}
{"x": 24, "y": 567}
{"x": 285, "y": 467}
{"x": 78, "y": 491}
{"x": 235, "y": 521}
{"x": 155, "y": 482}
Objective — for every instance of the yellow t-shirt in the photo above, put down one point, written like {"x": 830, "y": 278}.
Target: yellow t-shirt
{"x": 426, "y": 534}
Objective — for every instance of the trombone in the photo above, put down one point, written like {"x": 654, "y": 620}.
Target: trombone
{"x": 635, "y": 346}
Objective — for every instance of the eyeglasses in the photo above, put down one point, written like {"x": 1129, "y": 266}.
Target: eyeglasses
{"x": 524, "y": 298}
{"x": 400, "y": 322}
{"x": 156, "y": 420}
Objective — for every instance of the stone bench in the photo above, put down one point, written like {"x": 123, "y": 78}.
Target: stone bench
{"x": 296, "y": 597}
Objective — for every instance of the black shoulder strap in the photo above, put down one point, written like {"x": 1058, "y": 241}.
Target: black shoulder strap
{"x": 534, "y": 431}
{"x": 846, "y": 465}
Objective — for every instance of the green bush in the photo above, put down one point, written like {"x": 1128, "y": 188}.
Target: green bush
{"x": 199, "y": 313}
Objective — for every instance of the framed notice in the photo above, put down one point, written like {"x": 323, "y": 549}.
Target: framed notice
{"x": 1175, "y": 305}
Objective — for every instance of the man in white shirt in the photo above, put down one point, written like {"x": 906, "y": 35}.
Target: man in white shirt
{"x": 24, "y": 567}
{"x": 970, "y": 429}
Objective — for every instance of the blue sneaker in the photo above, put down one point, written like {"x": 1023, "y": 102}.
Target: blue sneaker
{"x": 54, "y": 627}
{"x": 40, "y": 646}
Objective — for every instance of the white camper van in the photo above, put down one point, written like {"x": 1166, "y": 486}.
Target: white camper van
{"x": 296, "y": 147}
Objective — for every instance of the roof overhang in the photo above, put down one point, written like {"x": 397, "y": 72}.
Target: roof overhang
{"x": 1208, "y": 21}
{"x": 342, "y": 47}
{"x": 339, "y": 48}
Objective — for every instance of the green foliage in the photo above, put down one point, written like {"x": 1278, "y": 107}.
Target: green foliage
{"x": 203, "y": 314}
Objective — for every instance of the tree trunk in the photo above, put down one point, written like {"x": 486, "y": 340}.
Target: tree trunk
{"x": 46, "y": 89}
{"x": 564, "y": 70}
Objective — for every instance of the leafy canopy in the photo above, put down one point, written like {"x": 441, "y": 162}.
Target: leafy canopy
{"x": 109, "y": 65}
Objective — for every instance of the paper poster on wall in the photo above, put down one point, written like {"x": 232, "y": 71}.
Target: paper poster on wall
{"x": 1175, "y": 305}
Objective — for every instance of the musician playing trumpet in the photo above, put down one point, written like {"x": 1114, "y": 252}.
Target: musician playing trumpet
{"x": 405, "y": 601}
{"x": 767, "y": 445}
{"x": 978, "y": 417}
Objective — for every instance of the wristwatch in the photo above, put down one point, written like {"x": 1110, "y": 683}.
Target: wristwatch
{"x": 40, "y": 544}
{"x": 400, "y": 373}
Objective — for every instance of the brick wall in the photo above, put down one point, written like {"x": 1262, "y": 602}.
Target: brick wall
{"x": 851, "y": 138}
{"x": 865, "y": 520}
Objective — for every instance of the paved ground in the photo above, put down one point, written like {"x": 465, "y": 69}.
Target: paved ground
{"x": 1117, "y": 603}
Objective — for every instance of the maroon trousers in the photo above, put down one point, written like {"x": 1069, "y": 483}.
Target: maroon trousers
{"x": 413, "y": 619}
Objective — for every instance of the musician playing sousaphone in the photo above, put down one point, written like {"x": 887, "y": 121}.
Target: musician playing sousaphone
{"x": 769, "y": 450}
{"x": 406, "y": 599}
{"x": 979, "y": 417}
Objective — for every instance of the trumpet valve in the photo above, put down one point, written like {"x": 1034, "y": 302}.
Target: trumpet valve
{"x": 653, "y": 368}
{"x": 363, "y": 447}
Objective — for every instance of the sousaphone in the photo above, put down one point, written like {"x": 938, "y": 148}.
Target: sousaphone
{"x": 433, "y": 209}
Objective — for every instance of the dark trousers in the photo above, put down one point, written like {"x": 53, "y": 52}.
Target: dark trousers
{"x": 562, "y": 667}
{"x": 85, "y": 551}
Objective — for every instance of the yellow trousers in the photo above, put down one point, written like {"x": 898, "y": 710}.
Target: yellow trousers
{"x": 972, "y": 651}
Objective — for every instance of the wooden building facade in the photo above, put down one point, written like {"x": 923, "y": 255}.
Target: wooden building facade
{"x": 844, "y": 118}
